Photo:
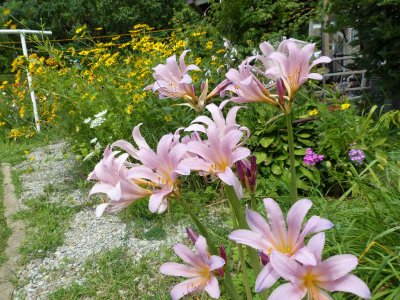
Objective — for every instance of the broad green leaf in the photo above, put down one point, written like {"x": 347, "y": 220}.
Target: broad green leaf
{"x": 260, "y": 156}
{"x": 276, "y": 169}
{"x": 306, "y": 142}
{"x": 267, "y": 141}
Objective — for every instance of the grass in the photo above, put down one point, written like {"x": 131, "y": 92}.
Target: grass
{"x": 5, "y": 231}
{"x": 114, "y": 275}
{"x": 45, "y": 225}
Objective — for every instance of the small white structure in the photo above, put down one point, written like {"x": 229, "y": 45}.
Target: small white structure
{"x": 22, "y": 33}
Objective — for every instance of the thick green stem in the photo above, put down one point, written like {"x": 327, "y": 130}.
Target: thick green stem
{"x": 293, "y": 176}
{"x": 240, "y": 215}
{"x": 227, "y": 282}
{"x": 242, "y": 260}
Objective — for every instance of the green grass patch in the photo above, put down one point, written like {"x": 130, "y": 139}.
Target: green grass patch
{"x": 45, "y": 224}
{"x": 114, "y": 275}
{"x": 5, "y": 231}
{"x": 14, "y": 152}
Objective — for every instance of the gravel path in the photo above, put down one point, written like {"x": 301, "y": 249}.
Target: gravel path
{"x": 86, "y": 235}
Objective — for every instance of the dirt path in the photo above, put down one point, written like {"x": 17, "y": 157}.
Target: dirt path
{"x": 8, "y": 271}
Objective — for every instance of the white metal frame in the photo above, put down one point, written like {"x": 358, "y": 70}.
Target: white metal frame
{"x": 22, "y": 33}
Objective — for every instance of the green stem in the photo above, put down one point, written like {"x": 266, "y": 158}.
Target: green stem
{"x": 253, "y": 202}
{"x": 242, "y": 260}
{"x": 234, "y": 200}
{"x": 227, "y": 282}
{"x": 293, "y": 176}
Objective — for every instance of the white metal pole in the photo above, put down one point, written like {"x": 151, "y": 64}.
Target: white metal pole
{"x": 32, "y": 92}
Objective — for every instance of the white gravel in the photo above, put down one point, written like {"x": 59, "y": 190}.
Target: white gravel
{"x": 50, "y": 170}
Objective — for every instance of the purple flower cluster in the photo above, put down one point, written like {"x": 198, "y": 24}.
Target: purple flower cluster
{"x": 357, "y": 156}
{"x": 312, "y": 158}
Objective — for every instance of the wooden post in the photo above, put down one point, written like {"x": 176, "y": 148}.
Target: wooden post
{"x": 22, "y": 33}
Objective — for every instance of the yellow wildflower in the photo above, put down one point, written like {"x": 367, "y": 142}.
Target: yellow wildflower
{"x": 80, "y": 29}
{"x": 197, "y": 61}
{"x": 98, "y": 28}
{"x": 344, "y": 106}
{"x": 15, "y": 133}
{"x": 22, "y": 111}
{"x": 168, "y": 118}
{"x": 6, "y": 12}
{"x": 313, "y": 112}
{"x": 209, "y": 45}
{"x": 2, "y": 124}
{"x": 129, "y": 109}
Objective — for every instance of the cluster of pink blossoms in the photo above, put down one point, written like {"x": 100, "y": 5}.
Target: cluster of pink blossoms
{"x": 142, "y": 172}
{"x": 212, "y": 149}
{"x": 312, "y": 158}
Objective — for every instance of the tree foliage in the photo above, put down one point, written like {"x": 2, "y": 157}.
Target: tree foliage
{"x": 248, "y": 22}
{"x": 378, "y": 33}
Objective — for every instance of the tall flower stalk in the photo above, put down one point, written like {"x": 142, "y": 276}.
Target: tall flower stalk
{"x": 289, "y": 67}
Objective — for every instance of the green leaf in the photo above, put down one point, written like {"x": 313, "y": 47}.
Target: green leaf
{"x": 260, "y": 156}
{"x": 301, "y": 151}
{"x": 267, "y": 141}
{"x": 275, "y": 169}
{"x": 306, "y": 142}
{"x": 303, "y": 135}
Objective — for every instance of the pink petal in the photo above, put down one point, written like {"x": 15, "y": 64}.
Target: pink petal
{"x": 228, "y": 176}
{"x": 175, "y": 269}
{"x": 231, "y": 116}
{"x": 196, "y": 127}
{"x": 349, "y": 283}
{"x": 295, "y": 218}
{"x": 277, "y": 222}
{"x": 336, "y": 266}
{"x": 187, "y": 255}
{"x": 305, "y": 257}
{"x": 315, "y": 76}
{"x": 212, "y": 288}
{"x": 286, "y": 267}
{"x": 100, "y": 209}
{"x": 101, "y": 188}
{"x": 258, "y": 224}
{"x": 216, "y": 262}
{"x": 315, "y": 224}
{"x": 266, "y": 48}
{"x": 186, "y": 287}
{"x": 316, "y": 245}
{"x": 156, "y": 201}
{"x": 163, "y": 146}
{"x": 288, "y": 291}
{"x": 126, "y": 146}
{"x": 216, "y": 114}
{"x": 149, "y": 158}
{"x": 201, "y": 249}
{"x": 249, "y": 238}
{"x": 266, "y": 278}
{"x": 138, "y": 138}
{"x": 321, "y": 60}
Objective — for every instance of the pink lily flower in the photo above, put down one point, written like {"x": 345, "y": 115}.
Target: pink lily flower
{"x": 331, "y": 275}
{"x": 291, "y": 64}
{"x": 114, "y": 181}
{"x": 275, "y": 236}
{"x": 224, "y": 125}
{"x": 160, "y": 170}
{"x": 200, "y": 270}
{"x": 218, "y": 154}
{"x": 172, "y": 80}
{"x": 247, "y": 87}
